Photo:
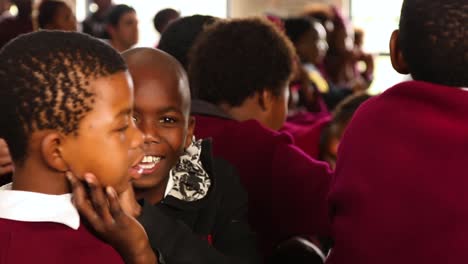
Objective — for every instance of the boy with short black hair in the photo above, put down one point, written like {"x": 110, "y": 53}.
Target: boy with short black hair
{"x": 122, "y": 26}
{"x": 66, "y": 107}
{"x": 243, "y": 86}
{"x": 400, "y": 190}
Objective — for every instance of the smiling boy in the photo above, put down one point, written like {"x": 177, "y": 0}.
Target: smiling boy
{"x": 68, "y": 106}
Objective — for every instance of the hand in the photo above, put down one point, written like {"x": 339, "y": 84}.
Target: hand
{"x": 111, "y": 223}
{"x": 6, "y": 163}
{"x": 129, "y": 203}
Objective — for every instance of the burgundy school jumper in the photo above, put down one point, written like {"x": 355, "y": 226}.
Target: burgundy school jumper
{"x": 286, "y": 188}
{"x": 400, "y": 194}
{"x": 51, "y": 243}
{"x": 307, "y": 135}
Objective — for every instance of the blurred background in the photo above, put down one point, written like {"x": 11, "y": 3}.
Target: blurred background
{"x": 376, "y": 18}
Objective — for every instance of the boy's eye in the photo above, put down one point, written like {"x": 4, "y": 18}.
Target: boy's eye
{"x": 123, "y": 129}
{"x": 167, "y": 120}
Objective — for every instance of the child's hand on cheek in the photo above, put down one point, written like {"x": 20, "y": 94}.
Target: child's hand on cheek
{"x": 6, "y": 163}
{"x": 104, "y": 213}
{"x": 129, "y": 203}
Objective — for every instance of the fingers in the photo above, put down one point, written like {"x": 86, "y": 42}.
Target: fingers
{"x": 5, "y": 160}
{"x": 99, "y": 199}
{"x": 6, "y": 163}
{"x": 114, "y": 204}
{"x": 3, "y": 143}
{"x": 5, "y": 157}
{"x": 82, "y": 202}
{"x": 6, "y": 169}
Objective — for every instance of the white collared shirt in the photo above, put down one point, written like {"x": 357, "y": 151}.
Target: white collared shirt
{"x": 170, "y": 184}
{"x": 38, "y": 207}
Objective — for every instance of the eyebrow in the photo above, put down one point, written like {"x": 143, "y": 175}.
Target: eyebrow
{"x": 169, "y": 109}
{"x": 124, "y": 112}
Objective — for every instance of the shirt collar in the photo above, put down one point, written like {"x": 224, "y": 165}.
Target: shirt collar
{"x": 170, "y": 184}
{"x": 38, "y": 207}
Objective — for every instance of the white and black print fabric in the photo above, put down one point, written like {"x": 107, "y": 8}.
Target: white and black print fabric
{"x": 191, "y": 182}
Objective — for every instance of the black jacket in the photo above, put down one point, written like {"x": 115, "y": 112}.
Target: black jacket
{"x": 211, "y": 230}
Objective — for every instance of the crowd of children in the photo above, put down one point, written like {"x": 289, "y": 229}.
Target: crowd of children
{"x": 245, "y": 140}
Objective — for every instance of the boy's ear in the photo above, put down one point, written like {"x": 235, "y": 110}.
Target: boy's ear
{"x": 110, "y": 30}
{"x": 51, "y": 150}
{"x": 396, "y": 56}
{"x": 190, "y": 131}
{"x": 265, "y": 98}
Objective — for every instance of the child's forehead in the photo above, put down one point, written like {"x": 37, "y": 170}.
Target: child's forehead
{"x": 169, "y": 82}
{"x": 116, "y": 86}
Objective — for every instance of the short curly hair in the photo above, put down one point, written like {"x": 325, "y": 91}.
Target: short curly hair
{"x": 116, "y": 12}
{"x": 163, "y": 18}
{"x": 181, "y": 35}
{"x": 235, "y": 58}
{"x": 296, "y": 27}
{"x": 433, "y": 40}
{"x": 47, "y": 11}
{"x": 45, "y": 81}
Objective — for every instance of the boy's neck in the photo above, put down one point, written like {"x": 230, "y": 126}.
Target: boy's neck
{"x": 33, "y": 176}
{"x": 118, "y": 46}
{"x": 152, "y": 195}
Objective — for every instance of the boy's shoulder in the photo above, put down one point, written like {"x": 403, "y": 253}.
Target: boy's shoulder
{"x": 244, "y": 134}
{"x": 26, "y": 242}
{"x": 411, "y": 99}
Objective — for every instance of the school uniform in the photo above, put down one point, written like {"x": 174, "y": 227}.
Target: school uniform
{"x": 400, "y": 193}
{"x": 203, "y": 217}
{"x": 41, "y": 228}
{"x": 307, "y": 135}
{"x": 287, "y": 189}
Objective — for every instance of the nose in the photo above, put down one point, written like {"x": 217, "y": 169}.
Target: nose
{"x": 323, "y": 46}
{"x": 137, "y": 138}
{"x": 150, "y": 133}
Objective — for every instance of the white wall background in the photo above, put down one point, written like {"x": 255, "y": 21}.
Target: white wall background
{"x": 378, "y": 18}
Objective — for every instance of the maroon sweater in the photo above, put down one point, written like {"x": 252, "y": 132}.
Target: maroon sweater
{"x": 400, "y": 193}
{"x": 40, "y": 242}
{"x": 307, "y": 135}
{"x": 286, "y": 188}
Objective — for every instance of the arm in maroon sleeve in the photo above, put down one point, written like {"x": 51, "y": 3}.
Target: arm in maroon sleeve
{"x": 300, "y": 189}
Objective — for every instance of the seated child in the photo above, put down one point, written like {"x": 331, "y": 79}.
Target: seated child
{"x": 332, "y": 133}
{"x": 55, "y": 15}
{"x": 181, "y": 34}
{"x": 242, "y": 87}
{"x": 310, "y": 41}
{"x": 309, "y": 114}
{"x": 400, "y": 190}
{"x": 164, "y": 18}
{"x": 67, "y": 104}
{"x": 194, "y": 209}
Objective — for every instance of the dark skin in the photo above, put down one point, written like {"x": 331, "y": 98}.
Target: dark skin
{"x": 312, "y": 46}
{"x": 103, "y": 212}
{"x": 396, "y": 56}
{"x": 162, "y": 113}
{"x": 51, "y": 153}
{"x": 6, "y": 164}
{"x": 53, "y": 156}
{"x": 64, "y": 19}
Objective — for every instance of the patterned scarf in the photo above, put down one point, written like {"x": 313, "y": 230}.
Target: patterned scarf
{"x": 191, "y": 182}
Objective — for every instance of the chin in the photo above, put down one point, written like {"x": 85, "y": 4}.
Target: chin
{"x": 146, "y": 182}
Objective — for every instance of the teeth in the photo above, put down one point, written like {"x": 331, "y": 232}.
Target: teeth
{"x": 147, "y": 166}
{"x": 151, "y": 159}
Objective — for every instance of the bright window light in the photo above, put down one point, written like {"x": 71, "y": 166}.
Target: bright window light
{"x": 378, "y": 19}
{"x": 147, "y": 9}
